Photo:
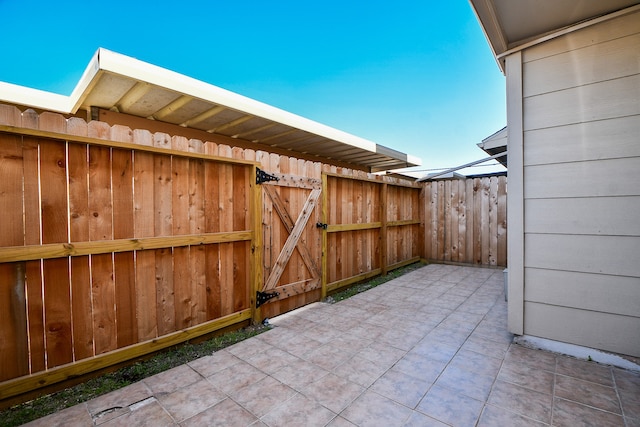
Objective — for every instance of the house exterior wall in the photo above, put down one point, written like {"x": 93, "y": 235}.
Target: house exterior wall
{"x": 580, "y": 171}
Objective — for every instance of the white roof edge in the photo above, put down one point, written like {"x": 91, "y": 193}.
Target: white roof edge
{"x": 111, "y": 62}
{"x": 80, "y": 91}
{"x": 121, "y": 64}
{"x": 40, "y": 99}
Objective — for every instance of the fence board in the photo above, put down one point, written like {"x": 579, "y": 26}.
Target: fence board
{"x": 226, "y": 206}
{"x": 14, "y": 352}
{"x": 123, "y": 228}
{"x": 454, "y": 231}
{"x": 502, "y": 223}
{"x": 13, "y": 337}
{"x": 197, "y": 254}
{"x": 125, "y": 302}
{"x": 212, "y": 221}
{"x": 57, "y": 312}
{"x": 144, "y": 226}
{"x": 35, "y": 313}
{"x": 477, "y": 221}
{"x": 57, "y": 304}
{"x": 163, "y": 198}
{"x": 82, "y": 308}
{"x": 493, "y": 220}
{"x": 440, "y": 236}
{"x": 485, "y": 223}
{"x": 11, "y": 164}
{"x": 182, "y": 282}
{"x": 240, "y": 214}
{"x": 469, "y": 220}
{"x": 462, "y": 220}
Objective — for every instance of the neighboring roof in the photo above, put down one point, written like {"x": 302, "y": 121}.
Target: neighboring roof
{"x": 448, "y": 175}
{"x": 124, "y": 84}
{"x": 495, "y": 144}
{"x": 511, "y": 25}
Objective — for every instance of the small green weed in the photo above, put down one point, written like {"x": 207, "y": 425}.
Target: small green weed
{"x": 369, "y": 284}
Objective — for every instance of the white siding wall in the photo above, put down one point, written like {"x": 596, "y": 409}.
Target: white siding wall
{"x": 581, "y": 173}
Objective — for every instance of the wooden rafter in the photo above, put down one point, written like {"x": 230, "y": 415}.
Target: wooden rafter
{"x": 133, "y": 95}
{"x": 254, "y": 130}
{"x": 278, "y": 135}
{"x": 203, "y": 116}
{"x": 174, "y": 105}
{"x": 231, "y": 124}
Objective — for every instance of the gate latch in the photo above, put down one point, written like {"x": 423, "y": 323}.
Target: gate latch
{"x": 322, "y": 225}
{"x": 263, "y": 297}
{"x": 262, "y": 176}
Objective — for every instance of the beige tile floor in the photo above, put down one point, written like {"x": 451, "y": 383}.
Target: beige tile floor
{"x": 427, "y": 349}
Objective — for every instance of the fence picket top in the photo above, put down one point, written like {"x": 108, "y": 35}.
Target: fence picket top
{"x": 121, "y": 133}
{"x": 30, "y": 119}
{"x": 99, "y": 130}
{"x": 142, "y": 137}
{"x": 196, "y": 146}
{"x": 77, "y": 126}
{"x": 10, "y": 115}
{"x": 11, "y": 164}
{"x": 161, "y": 140}
{"x": 52, "y": 122}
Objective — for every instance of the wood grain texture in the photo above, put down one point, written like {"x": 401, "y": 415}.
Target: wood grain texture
{"x": 469, "y": 216}
{"x": 14, "y": 348}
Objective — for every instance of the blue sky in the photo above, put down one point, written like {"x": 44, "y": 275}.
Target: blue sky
{"x": 416, "y": 75}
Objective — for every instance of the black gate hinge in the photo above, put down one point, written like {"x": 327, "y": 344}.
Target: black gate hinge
{"x": 322, "y": 225}
{"x": 262, "y": 176}
{"x": 263, "y": 297}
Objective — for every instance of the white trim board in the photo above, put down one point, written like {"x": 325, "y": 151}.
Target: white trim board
{"x": 579, "y": 352}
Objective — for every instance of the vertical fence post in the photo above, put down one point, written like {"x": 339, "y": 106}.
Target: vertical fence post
{"x": 383, "y": 229}
{"x": 325, "y": 220}
{"x": 256, "y": 244}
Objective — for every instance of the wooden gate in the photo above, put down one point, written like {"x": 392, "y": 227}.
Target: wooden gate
{"x": 291, "y": 242}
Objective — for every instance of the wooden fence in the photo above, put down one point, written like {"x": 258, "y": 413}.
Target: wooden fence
{"x": 371, "y": 227}
{"x": 465, "y": 220}
{"x": 112, "y": 238}
{"x": 116, "y": 243}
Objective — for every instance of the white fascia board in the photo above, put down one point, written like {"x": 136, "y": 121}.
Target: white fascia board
{"x": 35, "y": 98}
{"x": 87, "y": 80}
{"x": 130, "y": 67}
{"x": 498, "y": 139}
